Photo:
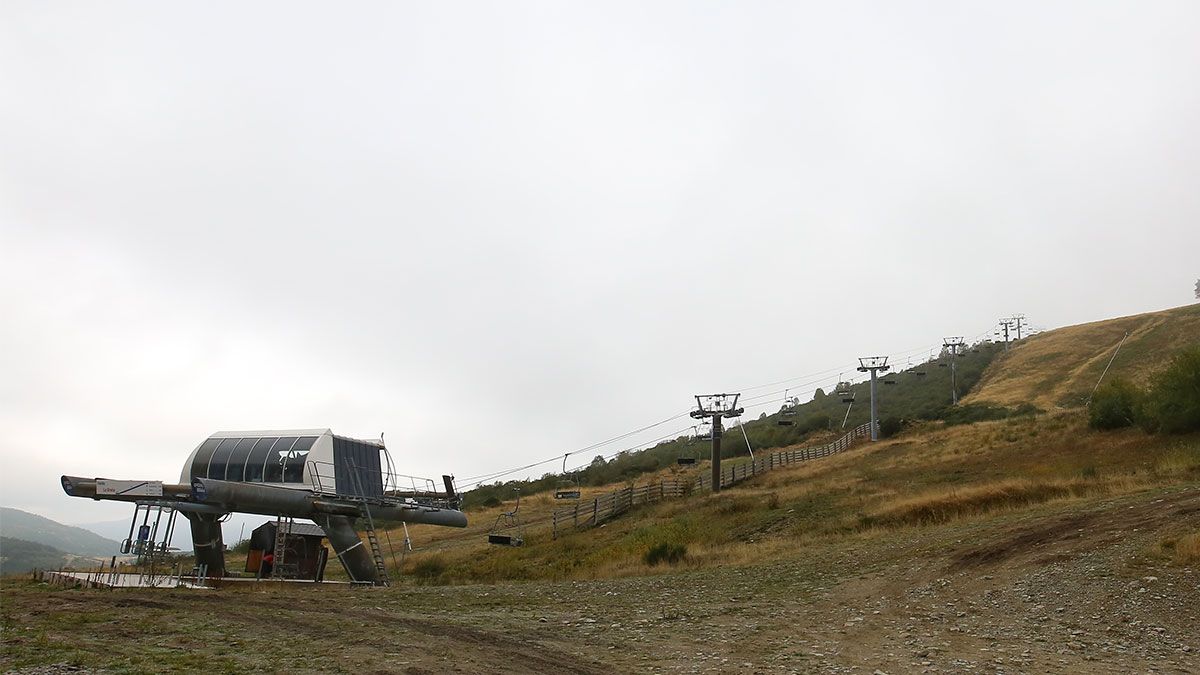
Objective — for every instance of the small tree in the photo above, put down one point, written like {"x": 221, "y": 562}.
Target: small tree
{"x": 890, "y": 426}
{"x": 1114, "y": 405}
{"x": 1174, "y": 398}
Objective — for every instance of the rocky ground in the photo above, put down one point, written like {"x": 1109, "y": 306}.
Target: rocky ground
{"x": 1073, "y": 586}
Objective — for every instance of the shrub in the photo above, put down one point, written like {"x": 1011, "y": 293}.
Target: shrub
{"x": 890, "y": 426}
{"x": 429, "y": 568}
{"x": 1114, "y": 405}
{"x": 665, "y": 552}
{"x": 1173, "y": 402}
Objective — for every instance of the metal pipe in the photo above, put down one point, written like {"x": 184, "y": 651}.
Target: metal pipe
{"x": 348, "y": 547}
{"x": 78, "y": 486}
{"x": 207, "y": 542}
{"x": 269, "y": 500}
{"x": 874, "y": 416}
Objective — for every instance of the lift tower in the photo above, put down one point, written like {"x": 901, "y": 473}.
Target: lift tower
{"x": 873, "y": 365}
{"x": 1005, "y": 325}
{"x": 954, "y": 344}
{"x": 715, "y": 407}
{"x": 1019, "y": 320}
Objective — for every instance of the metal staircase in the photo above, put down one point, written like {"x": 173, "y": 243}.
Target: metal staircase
{"x": 381, "y": 574}
{"x": 282, "y": 569}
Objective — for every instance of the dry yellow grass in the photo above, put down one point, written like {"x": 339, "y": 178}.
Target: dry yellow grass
{"x": 1187, "y": 549}
{"x": 1060, "y": 367}
{"x": 933, "y": 474}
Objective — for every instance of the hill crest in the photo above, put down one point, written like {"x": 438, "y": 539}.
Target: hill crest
{"x": 1059, "y": 368}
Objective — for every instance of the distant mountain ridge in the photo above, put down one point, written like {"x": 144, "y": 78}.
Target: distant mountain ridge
{"x": 30, "y": 527}
{"x": 18, "y": 556}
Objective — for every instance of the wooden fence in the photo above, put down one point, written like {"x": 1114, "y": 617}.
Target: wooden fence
{"x": 612, "y": 504}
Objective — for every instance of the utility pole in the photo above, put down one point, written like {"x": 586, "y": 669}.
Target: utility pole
{"x": 954, "y": 344}
{"x": 1019, "y": 319}
{"x": 716, "y": 407}
{"x": 873, "y": 365}
{"x": 1005, "y": 324}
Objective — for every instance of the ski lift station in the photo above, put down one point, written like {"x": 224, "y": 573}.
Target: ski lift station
{"x": 342, "y": 485}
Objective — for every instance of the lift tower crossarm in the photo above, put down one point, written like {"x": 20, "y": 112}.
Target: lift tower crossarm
{"x": 716, "y": 407}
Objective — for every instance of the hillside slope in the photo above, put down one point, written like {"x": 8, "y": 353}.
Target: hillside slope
{"x": 1059, "y": 368}
{"x": 932, "y": 474}
{"x": 19, "y": 524}
{"x": 18, "y": 555}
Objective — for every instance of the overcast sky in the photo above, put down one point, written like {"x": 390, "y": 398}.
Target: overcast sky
{"x": 503, "y": 231}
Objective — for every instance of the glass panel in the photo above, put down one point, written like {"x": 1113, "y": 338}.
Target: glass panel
{"x": 216, "y": 468}
{"x": 203, "y": 455}
{"x": 235, "y": 469}
{"x": 258, "y": 457}
{"x": 273, "y": 470}
{"x": 293, "y": 472}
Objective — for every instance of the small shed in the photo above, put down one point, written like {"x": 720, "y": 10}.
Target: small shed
{"x": 304, "y": 549}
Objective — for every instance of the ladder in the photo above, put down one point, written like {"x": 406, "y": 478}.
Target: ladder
{"x": 381, "y": 573}
{"x": 282, "y": 569}
{"x": 376, "y": 550}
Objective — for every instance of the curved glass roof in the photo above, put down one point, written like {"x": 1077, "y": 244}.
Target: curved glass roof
{"x": 254, "y": 459}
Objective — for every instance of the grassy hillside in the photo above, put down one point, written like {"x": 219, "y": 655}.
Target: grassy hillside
{"x": 18, "y": 555}
{"x": 32, "y": 527}
{"x": 934, "y": 474}
{"x": 918, "y": 391}
{"x": 1059, "y": 368}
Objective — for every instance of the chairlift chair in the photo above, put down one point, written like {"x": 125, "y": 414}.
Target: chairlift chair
{"x": 507, "y": 530}
{"x": 788, "y": 411}
{"x": 845, "y": 392}
{"x": 567, "y": 487}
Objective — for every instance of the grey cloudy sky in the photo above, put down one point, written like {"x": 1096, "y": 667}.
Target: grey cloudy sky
{"x": 502, "y": 231}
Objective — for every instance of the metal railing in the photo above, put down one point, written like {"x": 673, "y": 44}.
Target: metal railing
{"x": 372, "y": 484}
{"x": 607, "y": 506}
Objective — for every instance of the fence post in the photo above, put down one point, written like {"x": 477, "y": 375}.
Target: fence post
{"x": 595, "y": 511}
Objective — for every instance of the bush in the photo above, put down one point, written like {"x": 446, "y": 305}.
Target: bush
{"x": 429, "y": 568}
{"x": 1173, "y": 402}
{"x": 1115, "y": 405}
{"x": 665, "y": 552}
{"x": 890, "y": 426}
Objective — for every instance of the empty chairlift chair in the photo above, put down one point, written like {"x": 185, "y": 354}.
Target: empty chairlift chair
{"x": 507, "y": 530}
{"x": 567, "y": 487}
{"x": 687, "y": 456}
{"x": 844, "y": 392}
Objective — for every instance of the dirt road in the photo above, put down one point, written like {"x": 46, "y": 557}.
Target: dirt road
{"x": 1064, "y": 587}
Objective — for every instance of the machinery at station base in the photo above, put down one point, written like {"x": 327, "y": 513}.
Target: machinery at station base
{"x": 340, "y": 484}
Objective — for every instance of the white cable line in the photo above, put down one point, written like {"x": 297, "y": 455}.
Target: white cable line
{"x": 479, "y": 479}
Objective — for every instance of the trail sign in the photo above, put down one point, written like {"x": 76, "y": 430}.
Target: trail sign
{"x": 133, "y": 488}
